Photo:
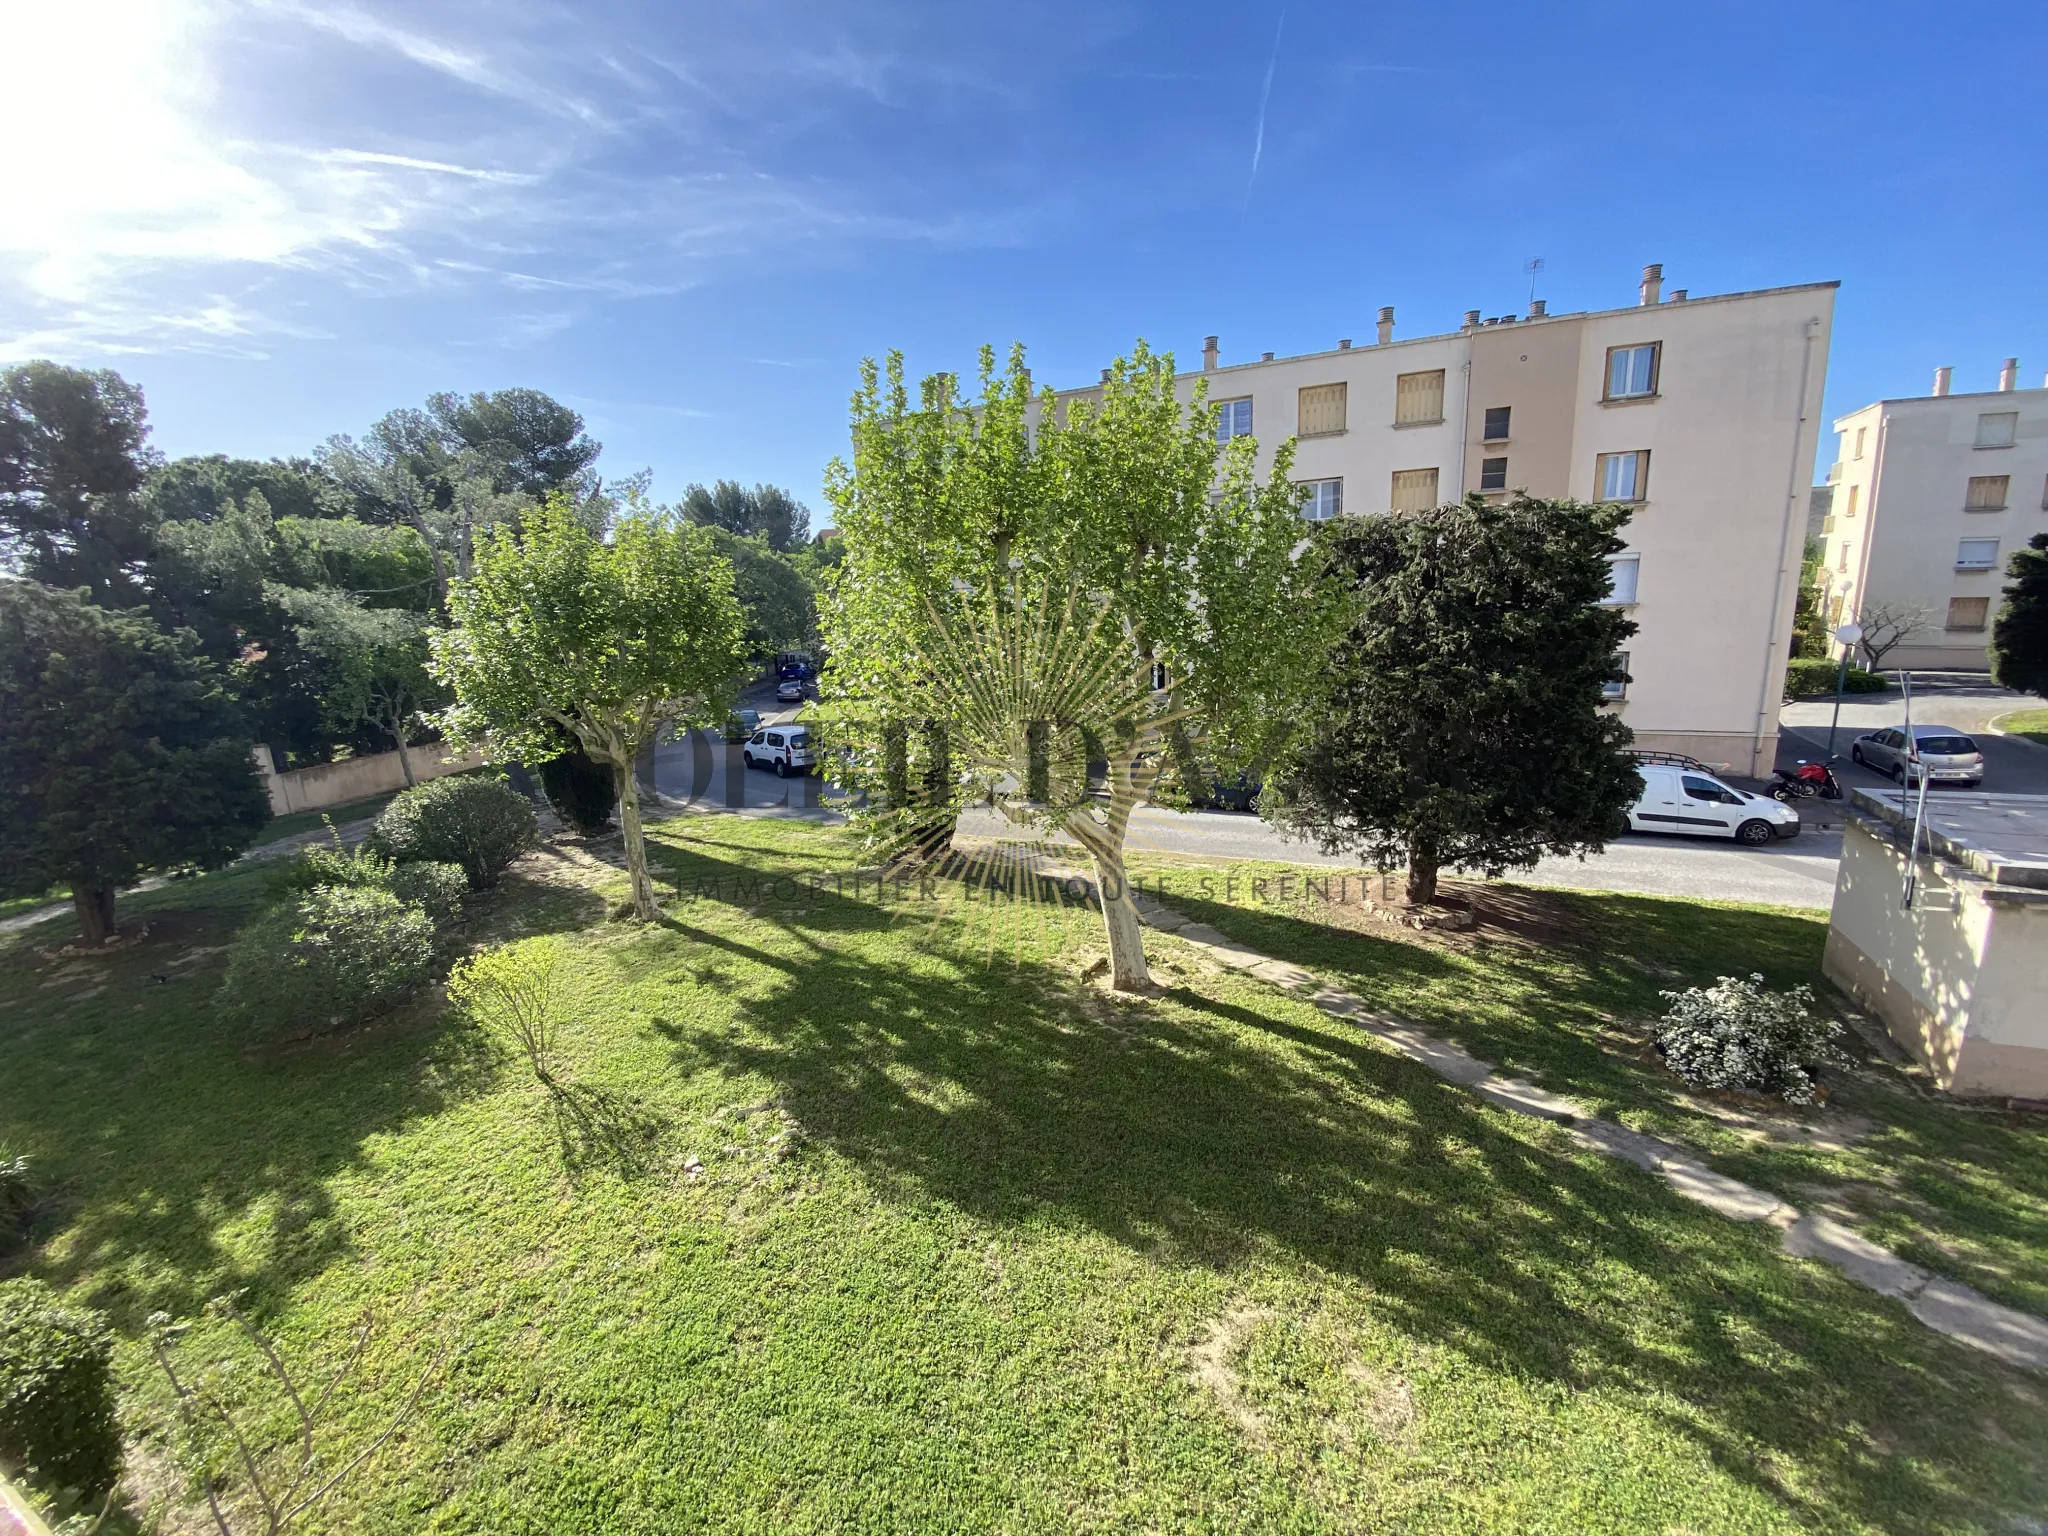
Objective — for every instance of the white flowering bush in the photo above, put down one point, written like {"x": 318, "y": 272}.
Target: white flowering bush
{"x": 1735, "y": 1034}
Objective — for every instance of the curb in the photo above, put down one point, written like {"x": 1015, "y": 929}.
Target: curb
{"x": 1948, "y": 1307}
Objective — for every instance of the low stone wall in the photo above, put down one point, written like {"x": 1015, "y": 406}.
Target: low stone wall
{"x": 355, "y": 778}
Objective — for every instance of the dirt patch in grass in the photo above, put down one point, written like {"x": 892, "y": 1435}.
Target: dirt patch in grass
{"x": 1212, "y": 1360}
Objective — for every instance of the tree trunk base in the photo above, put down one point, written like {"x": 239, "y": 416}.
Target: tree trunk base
{"x": 95, "y": 908}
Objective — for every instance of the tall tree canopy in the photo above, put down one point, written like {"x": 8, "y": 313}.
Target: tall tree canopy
{"x": 766, "y": 511}
{"x": 200, "y": 489}
{"x": 73, "y": 454}
{"x": 780, "y": 608}
{"x": 1170, "y": 568}
{"x": 121, "y": 752}
{"x": 1462, "y": 723}
{"x": 556, "y": 631}
{"x": 2019, "y": 639}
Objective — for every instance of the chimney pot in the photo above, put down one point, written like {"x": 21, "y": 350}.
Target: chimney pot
{"x": 1678, "y": 296}
{"x": 1471, "y": 319}
{"x": 1538, "y": 308}
{"x": 1344, "y": 345}
{"x": 1386, "y": 323}
{"x": 1208, "y": 352}
{"x": 2009, "y": 376}
{"x": 1265, "y": 357}
{"x": 1653, "y": 282}
{"x": 1105, "y": 375}
{"x": 1941, "y": 378}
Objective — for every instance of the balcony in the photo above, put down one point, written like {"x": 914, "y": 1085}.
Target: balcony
{"x": 1835, "y": 473}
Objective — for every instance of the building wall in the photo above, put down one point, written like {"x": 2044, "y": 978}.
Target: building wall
{"x": 352, "y": 779}
{"x": 1731, "y": 438}
{"x": 1909, "y": 487}
{"x": 1958, "y": 980}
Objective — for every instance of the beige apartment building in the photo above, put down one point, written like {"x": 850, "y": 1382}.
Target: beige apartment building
{"x": 1701, "y": 413}
{"x": 1931, "y": 495}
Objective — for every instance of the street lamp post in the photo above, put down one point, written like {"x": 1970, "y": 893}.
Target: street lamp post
{"x": 1850, "y": 635}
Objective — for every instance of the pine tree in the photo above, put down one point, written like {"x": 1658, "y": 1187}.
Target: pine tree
{"x": 2019, "y": 640}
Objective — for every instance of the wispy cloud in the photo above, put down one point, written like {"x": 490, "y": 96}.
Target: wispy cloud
{"x": 1265, "y": 95}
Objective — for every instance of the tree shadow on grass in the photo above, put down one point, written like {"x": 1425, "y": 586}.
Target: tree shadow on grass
{"x": 1224, "y": 1125}
{"x": 605, "y": 1129}
{"x": 165, "y": 1125}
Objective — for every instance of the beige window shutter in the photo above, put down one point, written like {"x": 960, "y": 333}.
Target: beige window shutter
{"x": 1419, "y": 397}
{"x": 1987, "y": 492}
{"x": 1321, "y": 409}
{"x": 1968, "y": 613}
{"x": 1414, "y": 490}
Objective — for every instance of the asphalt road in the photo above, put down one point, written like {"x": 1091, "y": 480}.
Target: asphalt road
{"x": 2011, "y": 766}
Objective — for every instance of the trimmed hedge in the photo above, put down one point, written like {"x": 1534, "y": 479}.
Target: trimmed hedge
{"x": 57, "y": 1390}
{"x": 1809, "y": 677}
{"x": 482, "y": 824}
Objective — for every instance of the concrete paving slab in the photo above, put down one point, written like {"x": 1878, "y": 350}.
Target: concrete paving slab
{"x": 1525, "y": 1098}
{"x": 1816, "y": 1237}
{"x": 1444, "y": 1059}
{"x": 2018, "y": 1338}
{"x": 1728, "y": 1197}
{"x": 1604, "y": 1136}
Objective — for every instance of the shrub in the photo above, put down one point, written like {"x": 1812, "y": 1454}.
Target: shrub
{"x": 482, "y": 824}
{"x": 328, "y": 863}
{"x": 17, "y": 1196}
{"x": 581, "y": 789}
{"x": 437, "y": 889}
{"x": 1808, "y": 677}
{"x": 56, "y": 1390}
{"x": 1734, "y": 1034}
{"x": 334, "y": 955}
{"x": 509, "y": 991}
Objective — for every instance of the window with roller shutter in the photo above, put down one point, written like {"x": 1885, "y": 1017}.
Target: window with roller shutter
{"x": 1419, "y": 398}
{"x": 1321, "y": 410}
{"x": 1414, "y": 490}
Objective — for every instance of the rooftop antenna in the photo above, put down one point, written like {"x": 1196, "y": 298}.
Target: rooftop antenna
{"x": 1532, "y": 266}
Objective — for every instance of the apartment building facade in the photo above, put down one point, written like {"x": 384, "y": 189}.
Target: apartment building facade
{"x": 1932, "y": 494}
{"x": 1702, "y": 414}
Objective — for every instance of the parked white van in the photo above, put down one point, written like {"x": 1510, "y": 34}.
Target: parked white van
{"x": 1694, "y": 803}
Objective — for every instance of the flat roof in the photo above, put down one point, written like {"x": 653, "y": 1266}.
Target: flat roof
{"x": 2004, "y": 838}
{"x": 1689, "y": 302}
{"x": 1969, "y": 394}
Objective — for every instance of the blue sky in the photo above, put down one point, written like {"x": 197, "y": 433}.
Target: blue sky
{"x": 690, "y": 221}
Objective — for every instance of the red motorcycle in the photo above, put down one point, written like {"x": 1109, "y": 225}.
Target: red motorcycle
{"x": 1804, "y": 782}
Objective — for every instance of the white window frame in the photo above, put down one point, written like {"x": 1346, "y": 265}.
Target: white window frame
{"x": 1233, "y": 418}
{"x": 2004, "y": 435}
{"x": 1614, "y": 597}
{"x": 1964, "y": 563}
{"x": 1615, "y": 689}
{"x": 1325, "y": 500}
{"x": 1638, "y": 477}
{"x": 1649, "y": 355}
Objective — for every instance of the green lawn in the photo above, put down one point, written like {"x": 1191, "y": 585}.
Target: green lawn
{"x": 14, "y": 906}
{"x": 309, "y": 821}
{"x": 2030, "y": 723}
{"x": 972, "y": 1246}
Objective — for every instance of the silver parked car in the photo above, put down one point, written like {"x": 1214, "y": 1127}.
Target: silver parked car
{"x": 1942, "y": 752}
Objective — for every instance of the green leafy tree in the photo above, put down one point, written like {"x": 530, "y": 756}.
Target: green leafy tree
{"x": 779, "y": 604}
{"x": 375, "y": 660}
{"x": 766, "y": 512}
{"x": 200, "y": 489}
{"x": 2019, "y": 639}
{"x": 611, "y": 642}
{"x": 1462, "y": 725}
{"x": 72, "y": 460}
{"x": 121, "y": 752}
{"x": 1185, "y": 625}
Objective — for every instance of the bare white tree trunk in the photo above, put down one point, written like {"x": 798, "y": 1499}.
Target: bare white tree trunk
{"x": 644, "y": 906}
{"x": 1104, "y": 840}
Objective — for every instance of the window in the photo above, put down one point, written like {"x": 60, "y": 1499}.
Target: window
{"x": 1414, "y": 490}
{"x": 1497, "y": 423}
{"x": 1855, "y": 491}
{"x": 1419, "y": 398}
{"x": 1622, "y": 476}
{"x": 1968, "y": 613}
{"x": 1233, "y": 419}
{"x": 1322, "y": 410}
{"x": 1632, "y": 371}
{"x": 1842, "y": 562}
{"x": 1986, "y": 493}
{"x": 1976, "y": 554}
{"x": 1616, "y": 686}
{"x": 1997, "y": 429}
{"x": 1861, "y": 434}
{"x": 1325, "y": 500}
{"x": 1622, "y": 589}
{"x": 1493, "y": 474}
